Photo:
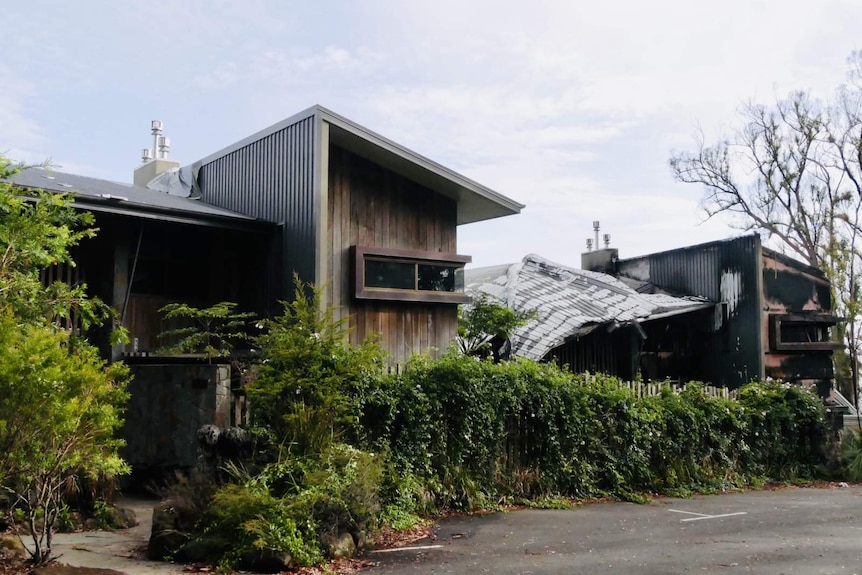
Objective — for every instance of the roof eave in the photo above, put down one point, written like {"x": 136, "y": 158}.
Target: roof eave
{"x": 135, "y": 210}
{"x": 475, "y": 201}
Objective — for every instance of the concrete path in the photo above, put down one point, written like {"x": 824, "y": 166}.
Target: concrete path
{"x": 122, "y": 550}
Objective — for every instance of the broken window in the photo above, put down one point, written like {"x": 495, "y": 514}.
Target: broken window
{"x": 802, "y": 332}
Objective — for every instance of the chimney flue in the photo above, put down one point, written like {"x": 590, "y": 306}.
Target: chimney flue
{"x": 155, "y": 160}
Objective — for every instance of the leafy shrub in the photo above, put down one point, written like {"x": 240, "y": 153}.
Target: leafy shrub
{"x": 60, "y": 407}
{"x": 244, "y": 521}
{"x": 851, "y": 455}
{"x": 473, "y": 433}
{"x": 291, "y": 505}
{"x": 305, "y": 384}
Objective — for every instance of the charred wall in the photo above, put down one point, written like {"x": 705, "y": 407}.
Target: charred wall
{"x": 796, "y": 322}
{"x": 725, "y": 272}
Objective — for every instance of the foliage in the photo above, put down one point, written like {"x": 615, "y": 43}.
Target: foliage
{"x": 60, "y": 407}
{"x": 245, "y": 521}
{"x": 215, "y": 332}
{"x": 292, "y": 505}
{"x": 59, "y": 403}
{"x": 37, "y": 230}
{"x": 307, "y": 380}
{"x": 473, "y": 433}
{"x": 851, "y": 454}
{"x": 794, "y": 172}
{"x": 485, "y": 326}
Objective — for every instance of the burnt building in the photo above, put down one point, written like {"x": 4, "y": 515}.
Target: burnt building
{"x": 724, "y": 313}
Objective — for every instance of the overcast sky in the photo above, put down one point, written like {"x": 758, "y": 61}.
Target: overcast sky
{"x": 569, "y": 107}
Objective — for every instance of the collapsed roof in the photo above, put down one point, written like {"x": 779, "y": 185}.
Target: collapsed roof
{"x": 570, "y": 302}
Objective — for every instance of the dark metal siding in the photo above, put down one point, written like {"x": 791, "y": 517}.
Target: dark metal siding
{"x": 272, "y": 179}
{"x": 735, "y": 352}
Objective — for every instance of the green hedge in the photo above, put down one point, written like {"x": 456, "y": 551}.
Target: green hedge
{"x": 475, "y": 432}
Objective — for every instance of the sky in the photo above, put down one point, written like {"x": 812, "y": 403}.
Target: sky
{"x": 570, "y": 107}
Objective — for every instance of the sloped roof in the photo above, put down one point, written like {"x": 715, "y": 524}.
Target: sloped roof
{"x": 475, "y": 202}
{"x": 126, "y": 199}
{"x": 568, "y": 301}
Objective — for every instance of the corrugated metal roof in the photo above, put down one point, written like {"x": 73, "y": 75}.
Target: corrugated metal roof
{"x": 568, "y": 301}
{"x": 115, "y": 197}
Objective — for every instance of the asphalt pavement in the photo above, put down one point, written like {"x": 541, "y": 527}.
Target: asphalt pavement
{"x": 807, "y": 531}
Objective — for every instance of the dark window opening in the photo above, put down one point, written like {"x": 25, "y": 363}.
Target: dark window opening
{"x": 439, "y": 278}
{"x": 802, "y": 332}
{"x": 390, "y": 274}
{"x": 409, "y": 275}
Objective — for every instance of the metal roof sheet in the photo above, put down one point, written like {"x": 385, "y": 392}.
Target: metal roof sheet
{"x": 116, "y": 197}
{"x": 568, "y": 301}
{"x": 475, "y": 201}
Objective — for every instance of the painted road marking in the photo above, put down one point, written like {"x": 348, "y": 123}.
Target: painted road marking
{"x": 414, "y": 548}
{"x": 701, "y": 516}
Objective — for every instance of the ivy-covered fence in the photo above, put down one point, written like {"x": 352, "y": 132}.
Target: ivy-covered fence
{"x": 475, "y": 432}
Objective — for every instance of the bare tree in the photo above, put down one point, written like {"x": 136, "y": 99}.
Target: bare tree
{"x": 794, "y": 172}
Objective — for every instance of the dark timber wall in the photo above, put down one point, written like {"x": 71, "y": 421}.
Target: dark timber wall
{"x": 272, "y": 178}
{"x": 371, "y": 206}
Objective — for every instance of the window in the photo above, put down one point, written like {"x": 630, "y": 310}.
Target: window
{"x": 802, "y": 332}
{"x": 409, "y": 275}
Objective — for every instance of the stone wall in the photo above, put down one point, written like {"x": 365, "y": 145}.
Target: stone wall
{"x": 168, "y": 403}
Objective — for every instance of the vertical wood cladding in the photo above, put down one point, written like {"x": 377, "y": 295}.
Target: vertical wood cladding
{"x": 272, "y": 179}
{"x": 371, "y": 206}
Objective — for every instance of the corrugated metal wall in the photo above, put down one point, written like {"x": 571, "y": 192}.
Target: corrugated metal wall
{"x": 272, "y": 179}
{"x": 729, "y": 272}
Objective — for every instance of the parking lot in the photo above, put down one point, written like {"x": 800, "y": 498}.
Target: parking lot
{"x": 795, "y": 530}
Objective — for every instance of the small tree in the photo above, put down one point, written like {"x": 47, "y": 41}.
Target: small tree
{"x": 485, "y": 326}
{"x": 59, "y": 410}
{"x": 37, "y": 230}
{"x": 307, "y": 380}
{"x": 59, "y": 403}
{"x": 215, "y": 332}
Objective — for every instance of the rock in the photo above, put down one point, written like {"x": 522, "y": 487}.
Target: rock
{"x": 11, "y": 545}
{"x": 174, "y": 513}
{"x": 268, "y": 561}
{"x": 92, "y": 524}
{"x": 172, "y": 518}
{"x": 122, "y": 518}
{"x": 360, "y": 539}
{"x": 165, "y": 544}
{"x": 340, "y": 546}
{"x": 194, "y": 551}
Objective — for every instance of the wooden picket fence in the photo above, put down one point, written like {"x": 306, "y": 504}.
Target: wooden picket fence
{"x": 651, "y": 388}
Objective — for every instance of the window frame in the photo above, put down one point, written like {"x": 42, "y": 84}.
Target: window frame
{"x": 415, "y": 257}
{"x": 819, "y": 320}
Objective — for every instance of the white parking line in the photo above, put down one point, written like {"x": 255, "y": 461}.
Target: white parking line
{"x": 415, "y": 548}
{"x": 701, "y": 516}
{"x": 688, "y": 512}
{"x": 715, "y": 516}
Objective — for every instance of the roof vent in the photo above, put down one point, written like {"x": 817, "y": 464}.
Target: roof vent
{"x": 154, "y": 160}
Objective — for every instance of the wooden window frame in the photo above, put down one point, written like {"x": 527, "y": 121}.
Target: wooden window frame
{"x": 418, "y": 257}
{"x": 820, "y": 320}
